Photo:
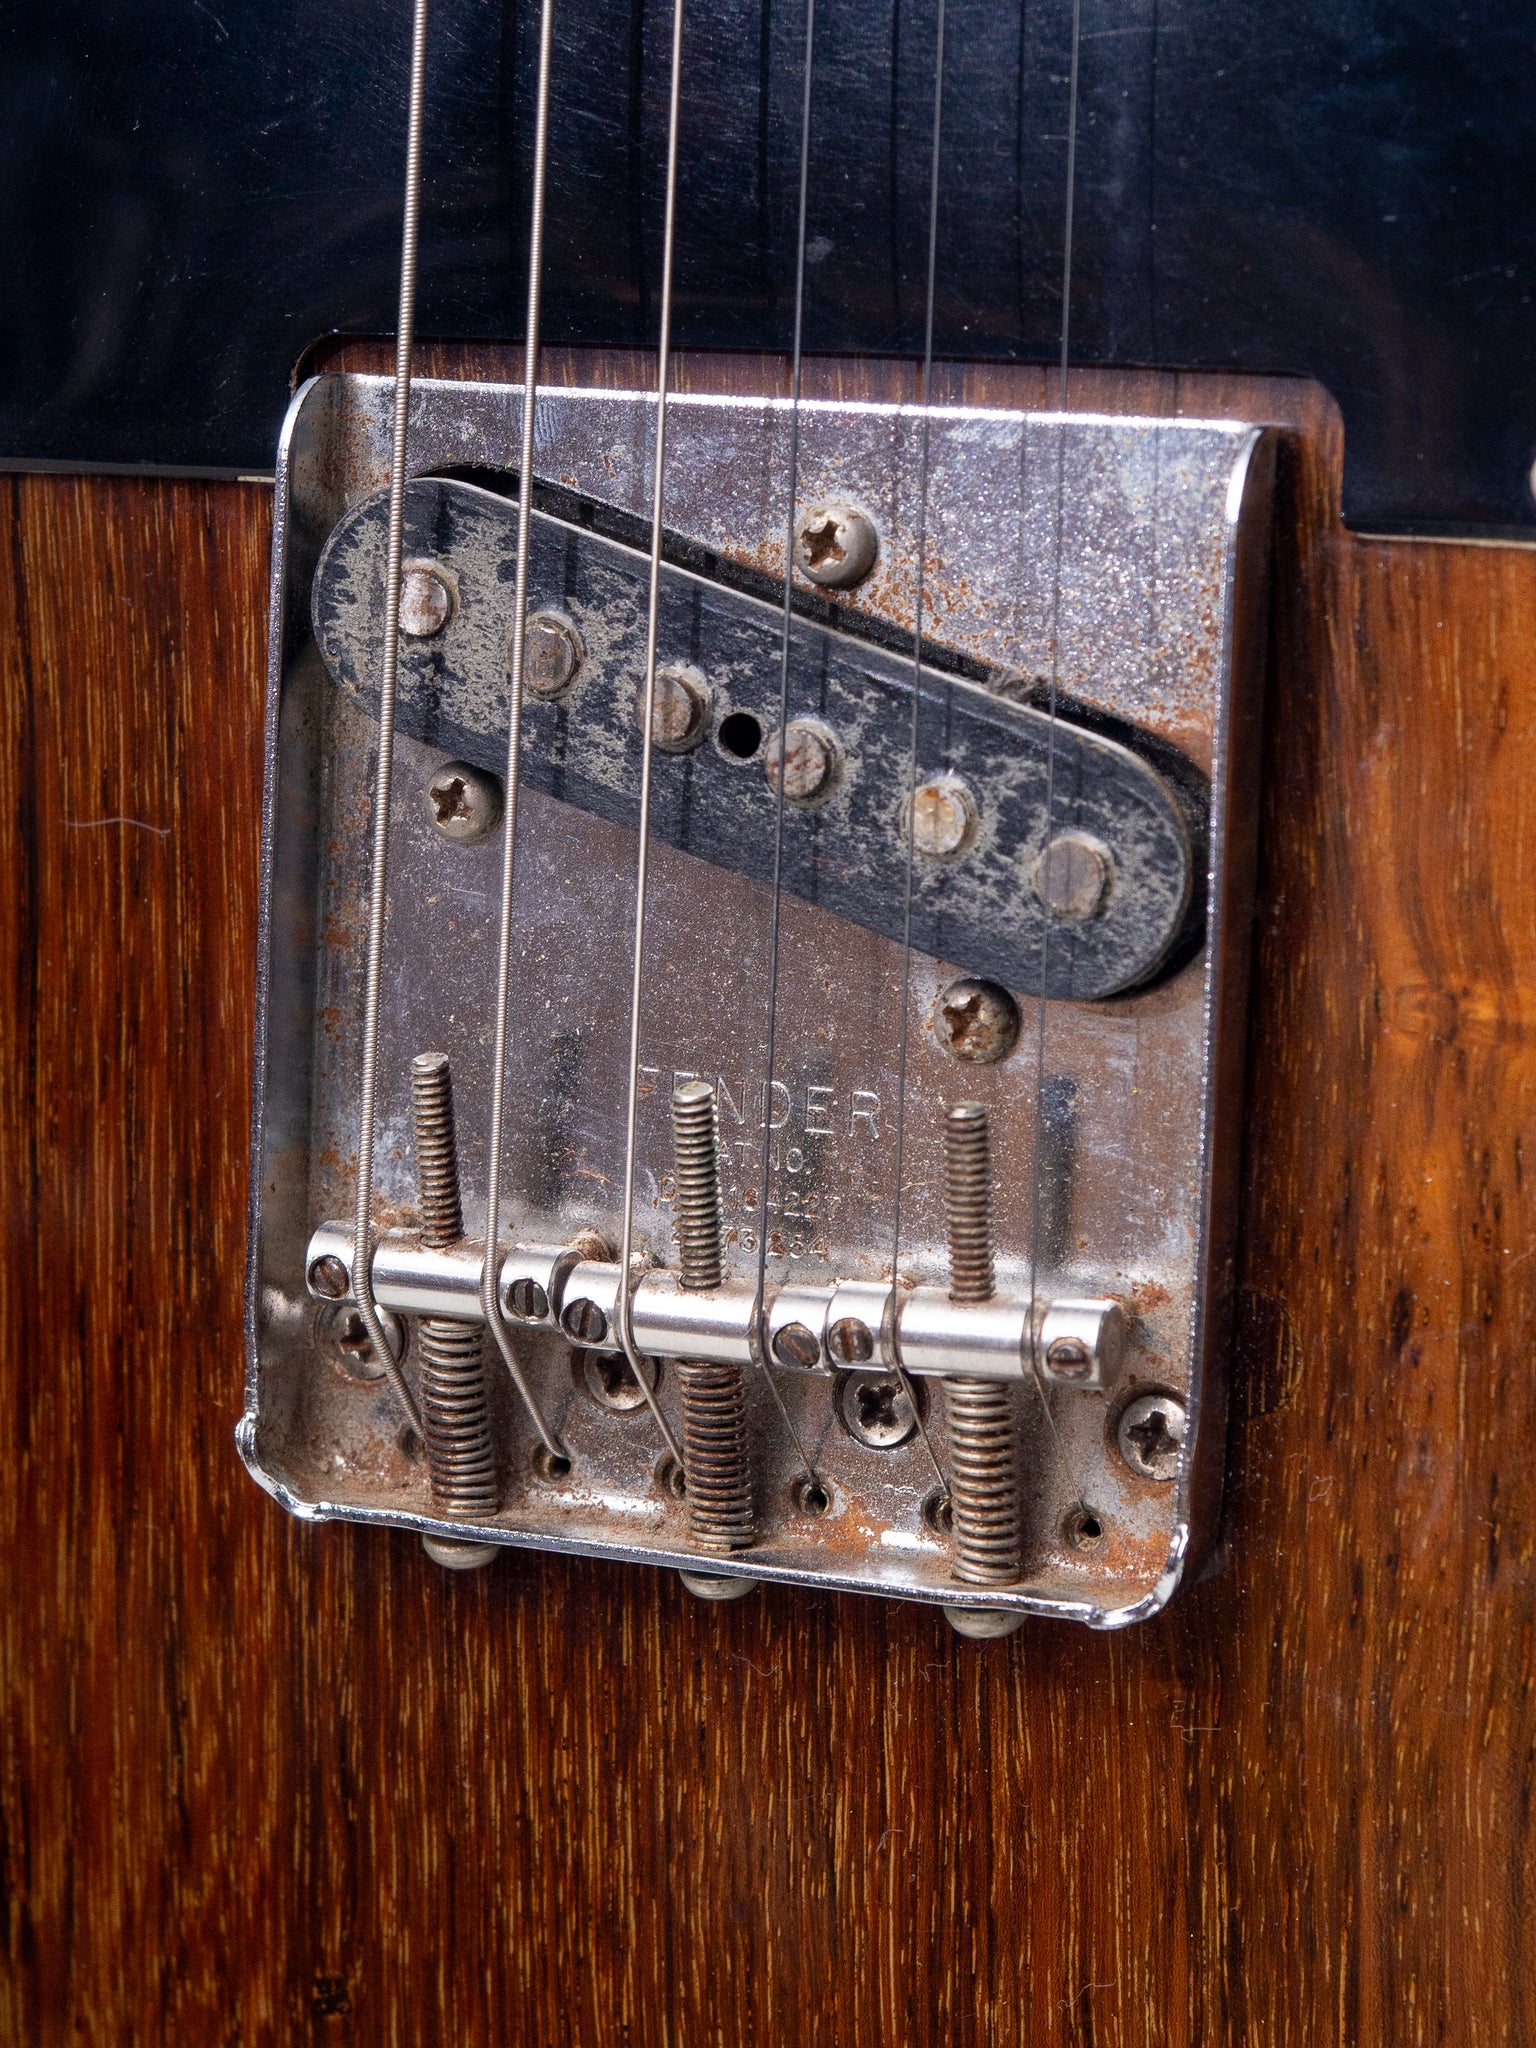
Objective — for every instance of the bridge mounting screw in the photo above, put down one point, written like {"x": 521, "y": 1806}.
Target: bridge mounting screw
{"x": 455, "y": 1413}
{"x": 836, "y": 543}
{"x": 1150, "y": 1436}
{"x": 977, "y": 1021}
{"x": 983, "y": 1428}
{"x": 714, "y": 1397}
{"x": 463, "y": 803}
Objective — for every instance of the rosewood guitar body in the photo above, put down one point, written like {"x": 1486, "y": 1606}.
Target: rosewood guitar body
{"x": 264, "y": 1781}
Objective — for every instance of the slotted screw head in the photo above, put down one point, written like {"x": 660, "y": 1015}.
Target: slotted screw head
{"x": 426, "y": 600}
{"x": 1072, "y": 877}
{"x": 1151, "y": 1435}
{"x": 527, "y": 1299}
{"x": 329, "y": 1278}
{"x": 463, "y": 803}
{"x": 836, "y": 543}
{"x": 850, "y": 1341}
{"x": 552, "y": 654}
{"x": 584, "y": 1322}
{"x": 795, "y": 1345}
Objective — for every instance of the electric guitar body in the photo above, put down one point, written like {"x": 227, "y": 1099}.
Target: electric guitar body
{"x": 1025, "y": 1183}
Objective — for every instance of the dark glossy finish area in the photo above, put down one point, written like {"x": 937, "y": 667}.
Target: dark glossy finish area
{"x": 193, "y": 190}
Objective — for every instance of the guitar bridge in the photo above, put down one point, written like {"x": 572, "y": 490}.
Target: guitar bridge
{"x": 940, "y": 999}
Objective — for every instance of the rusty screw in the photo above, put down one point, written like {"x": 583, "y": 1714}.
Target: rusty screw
{"x": 850, "y": 1342}
{"x": 977, "y": 1021}
{"x": 836, "y": 544}
{"x": 805, "y": 754}
{"x": 796, "y": 1345}
{"x": 684, "y": 705}
{"x": 1151, "y": 1436}
{"x": 463, "y": 803}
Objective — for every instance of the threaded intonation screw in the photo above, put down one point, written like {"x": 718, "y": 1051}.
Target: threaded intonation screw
{"x": 983, "y": 1429}
{"x": 696, "y": 1205}
{"x": 719, "y": 1477}
{"x": 455, "y": 1414}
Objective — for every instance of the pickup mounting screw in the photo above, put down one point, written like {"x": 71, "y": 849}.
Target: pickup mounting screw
{"x": 1073, "y": 876}
{"x": 463, "y": 803}
{"x": 552, "y": 654}
{"x": 1151, "y": 1436}
{"x": 427, "y": 600}
{"x": 714, "y": 1396}
{"x": 983, "y": 1429}
{"x": 806, "y": 756}
{"x": 683, "y": 708}
{"x": 835, "y": 544}
{"x": 455, "y": 1413}
{"x": 942, "y": 818}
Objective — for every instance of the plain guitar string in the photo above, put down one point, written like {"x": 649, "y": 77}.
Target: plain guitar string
{"x": 770, "y": 1037}
{"x": 921, "y": 549}
{"x": 379, "y": 1335}
{"x": 1035, "y": 1194}
{"x": 490, "y": 1295}
{"x": 647, "y": 741}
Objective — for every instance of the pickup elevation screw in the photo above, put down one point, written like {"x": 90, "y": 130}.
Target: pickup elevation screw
{"x": 983, "y": 1432}
{"x": 454, "y": 1410}
{"x": 714, "y": 1396}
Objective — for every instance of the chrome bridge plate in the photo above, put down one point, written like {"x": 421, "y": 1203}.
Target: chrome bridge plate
{"x": 1112, "y": 565}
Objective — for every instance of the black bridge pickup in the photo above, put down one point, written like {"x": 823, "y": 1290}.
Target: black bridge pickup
{"x": 1047, "y": 812}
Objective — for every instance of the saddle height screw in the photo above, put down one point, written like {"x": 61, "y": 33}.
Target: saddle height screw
{"x": 714, "y": 1396}
{"x": 455, "y": 1411}
{"x": 983, "y": 1430}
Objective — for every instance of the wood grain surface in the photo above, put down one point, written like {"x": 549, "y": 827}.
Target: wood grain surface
{"x": 265, "y": 1782}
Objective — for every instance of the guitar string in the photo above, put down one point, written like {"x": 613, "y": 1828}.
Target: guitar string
{"x": 759, "y": 1310}
{"x": 647, "y": 747}
{"x": 924, "y": 395}
{"x": 1036, "y": 1200}
{"x": 362, "y": 1234}
{"x": 490, "y": 1293}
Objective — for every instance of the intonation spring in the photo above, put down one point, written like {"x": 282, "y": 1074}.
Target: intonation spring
{"x": 715, "y": 1463}
{"x": 983, "y": 1429}
{"x": 454, "y": 1410}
